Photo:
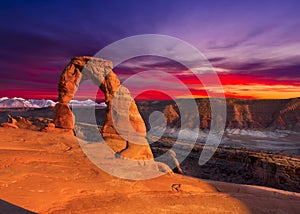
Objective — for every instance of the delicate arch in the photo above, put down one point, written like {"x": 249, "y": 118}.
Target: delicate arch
{"x": 100, "y": 72}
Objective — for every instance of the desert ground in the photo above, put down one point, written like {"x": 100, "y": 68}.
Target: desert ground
{"x": 48, "y": 173}
{"x": 261, "y": 157}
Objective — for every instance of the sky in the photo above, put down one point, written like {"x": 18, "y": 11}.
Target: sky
{"x": 254, "y": 46}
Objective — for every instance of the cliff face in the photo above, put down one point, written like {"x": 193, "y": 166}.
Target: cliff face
{"x": 289, "y": 116}
{"x": 241, "y": 166}
{"x": 242, "y": 114}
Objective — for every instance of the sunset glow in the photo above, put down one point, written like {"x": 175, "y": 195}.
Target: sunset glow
{"x": 253, "y": 46}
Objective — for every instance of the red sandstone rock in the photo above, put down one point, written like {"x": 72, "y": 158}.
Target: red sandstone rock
{"x": 242, "y": 114}
{"x": 171, "y": 114}
{"x": 122, "y": 119}
{"x": 19, "y": 122}
{"x": 9, "y": 125}
{"x": 63, "y": 116}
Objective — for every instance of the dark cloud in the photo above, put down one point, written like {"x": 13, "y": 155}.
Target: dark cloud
{"x": 148, "y": 63}
{"x": 265, "y": 69}
{"x": 216, "y": 59}
{"x": 291, "y": 72}
{"x": 242, "y": 67}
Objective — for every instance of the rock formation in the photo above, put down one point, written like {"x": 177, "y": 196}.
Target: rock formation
{"x": 171, "y": 114}
{"x": 127, "y": 139}
{"x": 19, "y": 122}
{"x": 241, "y": 114}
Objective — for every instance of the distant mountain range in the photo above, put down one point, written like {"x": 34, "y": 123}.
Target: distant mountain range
{"x": 18, "y": 102}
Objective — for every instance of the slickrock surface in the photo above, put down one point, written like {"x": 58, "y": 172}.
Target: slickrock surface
{"x": 49, "y": 173}
{"x": 122, "y": 116}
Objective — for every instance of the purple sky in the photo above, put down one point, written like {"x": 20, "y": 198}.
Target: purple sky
{"x": 250, "y": 43}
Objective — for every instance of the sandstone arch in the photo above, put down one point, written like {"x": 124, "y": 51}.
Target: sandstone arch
{"x": 100, "y": 72}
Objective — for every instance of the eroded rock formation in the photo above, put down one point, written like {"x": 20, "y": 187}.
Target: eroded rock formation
{"x": 19, "y": 122}
{"x": 241, "y": 114}
{"x": 131, "y": 143}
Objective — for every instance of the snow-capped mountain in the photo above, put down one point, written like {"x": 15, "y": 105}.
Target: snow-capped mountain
{"x": 41, "y": 103}
{"x": 18, "y": 102}
{"x": 86, "y": 103}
